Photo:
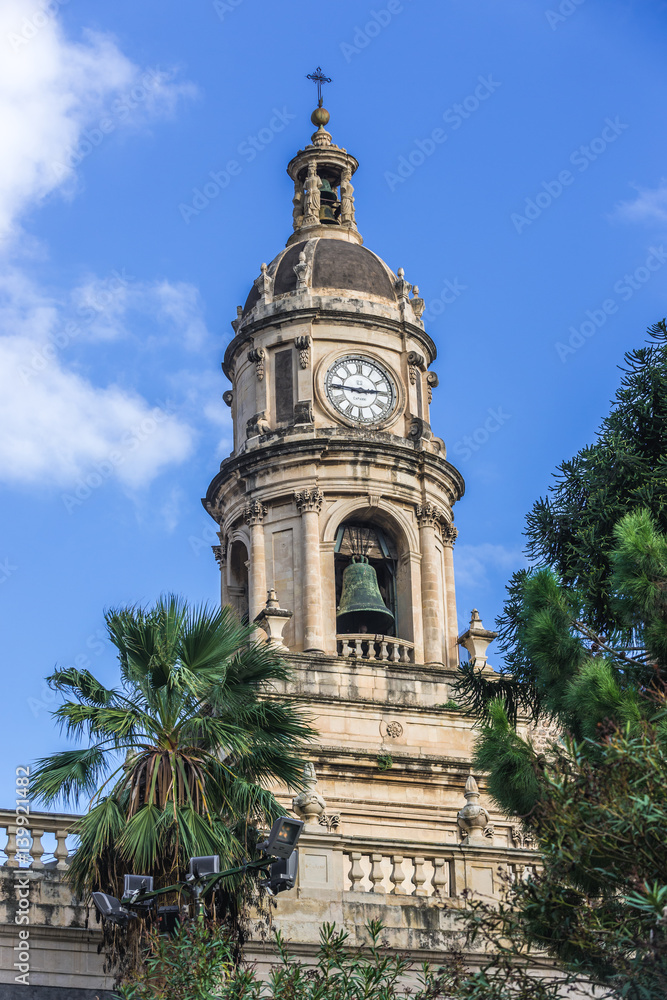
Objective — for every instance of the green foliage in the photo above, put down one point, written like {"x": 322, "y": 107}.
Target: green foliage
{"x": 196, "y": 965}
{"x": 385, "y": 761}
{"x": 179, "y": 754}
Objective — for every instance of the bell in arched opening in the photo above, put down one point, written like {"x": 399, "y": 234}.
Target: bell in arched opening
{"x": 361, "y": 606}
{"x": 329, "y": 203}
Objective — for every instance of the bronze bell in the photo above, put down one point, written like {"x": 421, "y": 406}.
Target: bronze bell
{"x": 361, "y": 606}
{"x": 329, "y": 203}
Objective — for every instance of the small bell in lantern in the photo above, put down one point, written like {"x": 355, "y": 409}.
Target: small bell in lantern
{"x": 329, "y": 203}
{"x": 361, "y": 606}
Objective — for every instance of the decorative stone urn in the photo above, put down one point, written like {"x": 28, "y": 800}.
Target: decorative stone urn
{"x": 473, "y": 819}
{"x": 309, "y": 805}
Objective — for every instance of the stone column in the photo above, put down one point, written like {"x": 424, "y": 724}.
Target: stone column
{"x": 449, "y": 533}
{"x": 309, "y": 502}
{"x": 254, "y": 514}
{"x": 433, "y": 608}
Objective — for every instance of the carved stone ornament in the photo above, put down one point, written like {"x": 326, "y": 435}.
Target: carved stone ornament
{"x": 263, "y": 284}
{"x": 393, "y": 730}
{"x": 258, "y": 424}
{"x": 309, "y": 805}
{"x": 449, "y": 534}
{"x": 237, "y": 322}
{"x": 273, "y": 619}
{"x": 302, "y": 271}
{"x": 309, "y": 499}
{"x": 403, "y": 287}
{"x": 302, "y": 345}
{"x": 228, "y": 397}
{"x": 432, "y": 382}
{"x": 254, "y": 512}
{"x": 418, "y": 305}
{"x": 416, "y": 362}
{"x": 311, "y": 215}
{"x": 219, "y": 555}
{"x": 330, "y": 822}
{"x": 523, "y": 839}
{"x": 420, "y": 429}
{"x": 297, "y": 202}
{"x": 303, "y": 412}
{"x": 473, "y": 820}
{"x": 256, "y": 357}
{"x": 428, "y": 514}
{"x": 347, "y": 199}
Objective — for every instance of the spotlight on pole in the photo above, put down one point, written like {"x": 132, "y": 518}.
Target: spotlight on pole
{"x": 282, "y": 875}
{"x": 207, "y": 865}
{"x": 111, "y": 909}
{"x": 134, "y": 886}
{"x": 283, "y": 838}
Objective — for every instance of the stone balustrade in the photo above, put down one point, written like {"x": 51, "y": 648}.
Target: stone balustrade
{"x": 402, "y": 874}
{"x": 48, "y": 834}
{"x": 376, "y": 647}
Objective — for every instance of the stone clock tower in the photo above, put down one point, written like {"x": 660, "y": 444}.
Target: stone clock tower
{"x": 334, "y": 465}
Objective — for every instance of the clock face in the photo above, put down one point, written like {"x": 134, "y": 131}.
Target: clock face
{"x": 360, "y": 389}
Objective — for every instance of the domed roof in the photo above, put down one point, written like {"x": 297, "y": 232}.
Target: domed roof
{"x": 335, "y": 265}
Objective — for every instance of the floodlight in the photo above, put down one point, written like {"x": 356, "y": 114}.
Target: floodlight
{"x": 282, "y": 875}
{"x": 133, "y": 887}
{"x": 208, "y": 865}
{"x": 283, "y": 837}
{"x": 111, "y": 909}
{"x": 167, "y": 918}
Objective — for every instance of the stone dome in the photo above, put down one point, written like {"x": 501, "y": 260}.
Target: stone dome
{"x": 335, "y": 266}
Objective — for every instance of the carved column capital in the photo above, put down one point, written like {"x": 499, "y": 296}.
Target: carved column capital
{"x": 449, "y": 534}
{"x": 428, "y": 514}
{"x": 309, "y": 499}
{"x": 254, "y": 512}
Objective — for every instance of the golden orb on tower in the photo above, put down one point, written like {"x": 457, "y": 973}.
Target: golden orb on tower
{"x": 320, "y": 117}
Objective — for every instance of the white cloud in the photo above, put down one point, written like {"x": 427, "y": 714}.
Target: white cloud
{"x": 472, "y": 563}
{"x": 57, "y": 427}
{"x": 649, "y": 206}
{"x": 58, "y": 100}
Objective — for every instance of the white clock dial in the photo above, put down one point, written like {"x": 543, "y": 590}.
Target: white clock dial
{"x": 360, "y": 389}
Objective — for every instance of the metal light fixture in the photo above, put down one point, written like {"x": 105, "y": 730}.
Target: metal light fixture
{"x": 112, "y": 909}
{"x": 282, "y": 875}
{"x": 283, "y": 838}
{"x": 206, "y": 865}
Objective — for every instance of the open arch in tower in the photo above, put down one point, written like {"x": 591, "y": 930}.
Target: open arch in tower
{"x": 237, "y": 578}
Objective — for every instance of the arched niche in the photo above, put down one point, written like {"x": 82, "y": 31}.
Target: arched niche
{"x": 397, "y": 566}
{"x": 237, "y": 577}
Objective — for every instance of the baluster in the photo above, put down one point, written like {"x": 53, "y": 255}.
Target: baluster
{"x": 349, "y": 648}
{"x": 419, "y": 877}
{"x": 404, "y": 654}
{"x": 10, "y": 847}
{"x": 394, "y": 652}
{"x": 439, "y": 879}
{"x": 384, "y": 652}
{"x": 397, "y": 875}
{"x": 357, "y": 647}
{"x": 377, "y": 875}
{"x": 356, "y": 871}
{"x": 60, "y": 852}
{"x": 37, "y": 850}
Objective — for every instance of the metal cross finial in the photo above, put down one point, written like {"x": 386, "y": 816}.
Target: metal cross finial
{"x": 319, "y": 78}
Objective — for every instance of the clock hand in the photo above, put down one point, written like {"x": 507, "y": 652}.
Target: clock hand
{"x": 354, "y": 388}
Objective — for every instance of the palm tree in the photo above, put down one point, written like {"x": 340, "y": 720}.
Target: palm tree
{"x": 179, "y": 757}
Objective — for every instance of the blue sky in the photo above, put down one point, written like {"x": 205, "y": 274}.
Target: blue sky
{"x": 535, "y": 227}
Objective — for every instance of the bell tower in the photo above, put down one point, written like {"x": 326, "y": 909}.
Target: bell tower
{"x": 335, "y": 464}
{"x": 336, "y": 536}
